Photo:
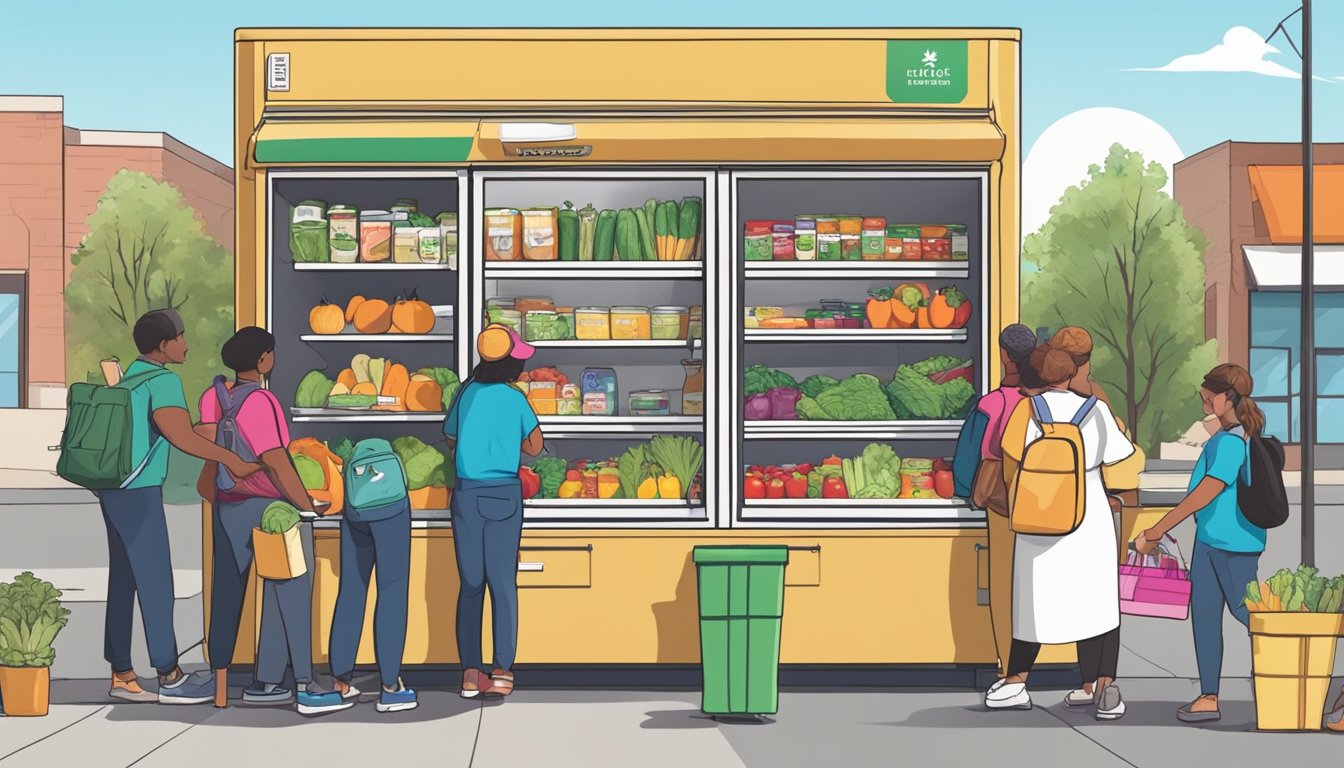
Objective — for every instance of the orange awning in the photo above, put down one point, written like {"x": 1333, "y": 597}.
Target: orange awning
{"x": 1278, "y": 189}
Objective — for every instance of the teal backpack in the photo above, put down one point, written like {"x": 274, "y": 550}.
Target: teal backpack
{"x": 96, "y": 442}
{"x": 375, "y": 482}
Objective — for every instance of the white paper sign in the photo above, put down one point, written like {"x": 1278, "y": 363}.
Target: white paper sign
{"x": 277, "y": 72}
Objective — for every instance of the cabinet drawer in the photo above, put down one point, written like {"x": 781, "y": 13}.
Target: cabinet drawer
{"x": 555, "y": 566}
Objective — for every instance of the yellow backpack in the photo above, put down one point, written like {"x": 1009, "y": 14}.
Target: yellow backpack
{"x": 1046, "y": 491}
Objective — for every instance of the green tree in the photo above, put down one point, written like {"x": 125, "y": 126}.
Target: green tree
{"x": 146, "y": 249}
{"x": 1117, "y": 257}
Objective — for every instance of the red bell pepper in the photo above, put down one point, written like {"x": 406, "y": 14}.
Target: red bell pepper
{"x": 960, "y": 304}
{"x": 796, "y": 487}
{"x": 774, "y": 489}
{"x": 803, "y": 469}
{"x": 831, "y": 461}
{"x": 754, "y": 488}
{"x": 531, "y": 482}
{"x": 834, "y": 488}
{"x": 943, "y": 484}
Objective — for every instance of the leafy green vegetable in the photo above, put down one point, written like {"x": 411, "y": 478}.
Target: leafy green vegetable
{"x": 310, "y": 472}
{"x": 1311, "y": 585}
{"x": 1280, "y": 583}
{"x": 681, "y": 456}
{"x": 876, "y": 491}
{"x": 914, "y": 394}
{"x": 630, "y": 469}
{"x": 910, "y": 296}
{"x": 758, "y": 379}
{"x": 551, "y": 470}
{"x": 343, "y": 447}
{"x": 813, "y": 386}
{"x": 425, "y": 464}
{"x": 421, "y": 220}
{"x": 1253, "y": 592}
{"x": 279, "y": 517}
{"x": 446, "y": 379}
{"x": 314, "y": 388}
{"x": 857, "y": 398}
{"x": 31, "y": 615}
{"x": 881, "y": 467}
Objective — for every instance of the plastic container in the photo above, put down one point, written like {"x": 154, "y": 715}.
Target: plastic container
{"x": 375, "y": 236}
{"x": 630, "y": 323}
{"x": 448, "y": 238}
{"x": 539, "y": 234}
{"x": 343, "y": 234}
{"x": 874, "y": 238}
{"x": 917, "y": 479}
{"x": 669, "y": 322}
{"x": 407, "y": 205}
{"x": 1292, "y": 661}
{"x": 650, "y": 402}
{"x": 527, "y": 304}
{"x": 695, "y": 327}
{"x": 741, "y": 596}
{"x": 503, "y": 234}
{"x": 543, "y": 325}
{"x": 592, "y": 323}
{"x": 570, "y": 402}
{"x": 566, "y": 315}
{"x": 541, "y": 395}
{"x": 510, "y": 317}
{"x": 405, "y": 244}
{"x": 599, "y": 392}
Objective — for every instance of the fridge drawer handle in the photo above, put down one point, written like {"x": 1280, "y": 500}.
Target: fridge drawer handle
{"x": 813, "y": 548}
{"x": 583, "y": 548}
{"x": 531, "y": 567}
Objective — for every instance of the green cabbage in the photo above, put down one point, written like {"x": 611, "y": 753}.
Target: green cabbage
{"x": 913, "y": 394}
{"x": 343, "y": 447}
{"x": 310, "y": 472}
{"x": 815, "y": 385}
{"x": 857, "y": 398}
{"x": 279, "y": 517}
{"x": 758, "y": 379}
{"x": 314, "y": 388}
{"x": 425, "y": 465}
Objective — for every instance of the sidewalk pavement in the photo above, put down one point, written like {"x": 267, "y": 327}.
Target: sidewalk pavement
{"x": 592, "y": 728}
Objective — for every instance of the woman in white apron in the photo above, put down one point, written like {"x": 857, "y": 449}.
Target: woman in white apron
{"x": 1066, "y": 588}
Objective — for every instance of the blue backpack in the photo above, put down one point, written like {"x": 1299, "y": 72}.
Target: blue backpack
{"x": 966, "y": 458}
{"x": 375, "y": 482}
{"x": 227, "y": 434}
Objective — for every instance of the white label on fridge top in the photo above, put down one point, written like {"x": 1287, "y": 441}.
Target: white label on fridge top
{"x": 277, "y": 72}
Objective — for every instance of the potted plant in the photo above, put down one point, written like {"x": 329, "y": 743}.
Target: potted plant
{"x": 31, "y": 615}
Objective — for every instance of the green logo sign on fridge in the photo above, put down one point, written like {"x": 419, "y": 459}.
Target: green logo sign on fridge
{"x": 926, "y": 71}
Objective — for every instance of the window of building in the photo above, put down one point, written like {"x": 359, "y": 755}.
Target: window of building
{"x": 11, "y": 333}
{"x": 1276, "y": 352}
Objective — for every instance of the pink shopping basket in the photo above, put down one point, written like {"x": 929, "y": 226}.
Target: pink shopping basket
{"x": 1157, "y": 585}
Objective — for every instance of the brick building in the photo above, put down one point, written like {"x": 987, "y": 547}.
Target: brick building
{"x": 1247, "y": 199}
{"x": 51, "y": 177}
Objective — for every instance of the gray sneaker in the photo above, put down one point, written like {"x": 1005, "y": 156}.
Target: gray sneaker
{"x": 1110, "y": 704}
{"x": 195, "y": 688}
{"x": 267, "y": 694}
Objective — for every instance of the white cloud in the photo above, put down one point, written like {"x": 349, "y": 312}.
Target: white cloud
{"x": 1242, "y": 50}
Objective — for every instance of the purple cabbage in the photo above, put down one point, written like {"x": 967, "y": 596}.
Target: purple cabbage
{"x": 783, "y": 402}
{"x": 757, "y": 407}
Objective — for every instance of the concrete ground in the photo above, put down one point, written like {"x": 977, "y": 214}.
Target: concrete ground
{"x": 659, "y": 728}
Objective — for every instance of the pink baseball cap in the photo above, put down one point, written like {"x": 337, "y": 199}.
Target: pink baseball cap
{"x": 499, "y": 341}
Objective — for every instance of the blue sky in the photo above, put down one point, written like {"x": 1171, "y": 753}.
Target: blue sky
{"x": 160, "y": 65}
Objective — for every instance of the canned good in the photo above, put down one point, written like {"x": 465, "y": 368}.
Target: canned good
{"x": 851, "y": 238}
{"x": 503, "y": 234}
{"x": 567, "y": 320}
{"x": 650, "y": 402}
{"x": 343, "y": 234}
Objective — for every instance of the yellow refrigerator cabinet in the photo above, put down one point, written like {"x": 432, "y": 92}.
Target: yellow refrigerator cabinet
{"x": 919, "y": 126}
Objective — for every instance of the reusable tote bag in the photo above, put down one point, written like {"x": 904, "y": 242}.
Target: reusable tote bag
{"x": 1156, "y": 585}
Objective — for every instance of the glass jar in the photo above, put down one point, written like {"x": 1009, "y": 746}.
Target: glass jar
{"x": 592, "y": 323}
{"x": 693, "y": 388}
{"x": 630, "y": 323}
{"x": 343, "y": 234}
{"x": 405, "y": 244}
{"x": 695, "y": 326}
{"x": 375, "y": 236}
{"x": 431, "y": 245}
{"x": 669, "y": 322}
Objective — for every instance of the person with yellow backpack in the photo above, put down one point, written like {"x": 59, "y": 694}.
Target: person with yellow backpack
{"x": 1065, "y": 578}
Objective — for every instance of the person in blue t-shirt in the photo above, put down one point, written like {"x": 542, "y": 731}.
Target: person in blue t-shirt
{"x": 492, "y": 425}
{"x": 1227, "y": 545}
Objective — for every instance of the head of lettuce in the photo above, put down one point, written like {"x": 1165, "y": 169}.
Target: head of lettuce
{"x": 425, "y": 465}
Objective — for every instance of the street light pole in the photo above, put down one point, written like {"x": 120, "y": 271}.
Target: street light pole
{"x": 1308, "y": 344}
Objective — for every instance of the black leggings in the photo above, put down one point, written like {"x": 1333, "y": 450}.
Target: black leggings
{"x": 1097, "y": 656}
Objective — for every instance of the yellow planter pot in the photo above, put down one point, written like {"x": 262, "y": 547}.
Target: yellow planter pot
{"x": 1292, "y": 660}
{"x": 26, "y": 690}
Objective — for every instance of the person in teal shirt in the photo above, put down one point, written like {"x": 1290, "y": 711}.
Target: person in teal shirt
{"x": 1227, "y": 546}
{"x": 139, "y": 560}
{"x": 492, "y": 425}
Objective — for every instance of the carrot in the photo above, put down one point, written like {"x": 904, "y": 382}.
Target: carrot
{"x": 1266, "y": 597}
{"x": 941, "y": 314}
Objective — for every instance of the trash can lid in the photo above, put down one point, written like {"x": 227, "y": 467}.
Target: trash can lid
{"x": 748, "y": 554}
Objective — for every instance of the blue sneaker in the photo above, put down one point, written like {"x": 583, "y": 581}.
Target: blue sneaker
{"x": 195, "y": 688}
{"x": 400, "y": 700}
{"x": 317, "y": 699}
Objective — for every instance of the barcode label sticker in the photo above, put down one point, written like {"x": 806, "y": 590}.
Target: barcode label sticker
{"x": 277, "y": 72}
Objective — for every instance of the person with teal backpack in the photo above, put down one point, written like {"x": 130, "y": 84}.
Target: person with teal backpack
{"x": 376, "y": 531}
{"x": 116, "y": 444}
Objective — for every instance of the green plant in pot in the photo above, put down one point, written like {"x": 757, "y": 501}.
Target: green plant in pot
{"x": 31, "y": 615}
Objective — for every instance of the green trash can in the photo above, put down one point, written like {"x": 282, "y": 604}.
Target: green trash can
{"x": 741, "y": 609}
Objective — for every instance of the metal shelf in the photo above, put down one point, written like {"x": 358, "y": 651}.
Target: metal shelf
{"x": 806, "y": 270}
{"x": 619, "y": 425}
{"x": 851, "y": 504}
{"x": 335, "y": 415}
{"x": 370, "y": 267}
{"x": 392, "y": 337}
{"x": 616, "y": 344}
{"x": 847, "y": 430}
{"x": 587, "y": 270}
{"x": 852, "y": 335}
{"x": 607, "y": 504}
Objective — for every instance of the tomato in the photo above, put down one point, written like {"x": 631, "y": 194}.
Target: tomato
{"x": 831, "y": 461}
{"x": 531, "y": 482}
{"x": 774, "y": 489}
{"x": 754, "y": 488}
{"x": 796, "y": 487}
{"x": 573, "y": 475}
{"x": 803, "y": 469}
{"x": 943, "y": 484}
{"x": 834, "y": 488}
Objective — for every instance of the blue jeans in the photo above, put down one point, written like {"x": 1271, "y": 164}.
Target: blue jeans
{"x": 139, "y": 563}
{"x": 1217, "y": 579}
{"x": 286, "y": 633}
{"x": 487, "y": 529}
{"x": 386, "y": 543}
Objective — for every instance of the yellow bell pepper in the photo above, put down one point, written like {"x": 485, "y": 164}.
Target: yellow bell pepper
{"x": 607, "y": 486}
{"x": 647, "y": 489}
{"x": 669, "y": 487}
{"x": 571, "y": 489}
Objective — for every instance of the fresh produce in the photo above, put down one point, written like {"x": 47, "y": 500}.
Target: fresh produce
{"x": 644, "y": 217}
{"x": 941, "y": 313}
{"x": 648, "y": 489}
{"x": 796, "y": 486}
{"x": 834, "y": 488}
{"x": 326, "y": 319}
{"x": 669, "y": 487}
{"x": 550, "y": 471}
{"x": 879, "y": 309}
{"x": 423, "y": 393}
{"x": 342, "y": 447}
{"x": 1302, "y": 591}
{"x": 608, "y": 482}
{"x": 753, "y": 488}
{"x": 530, "y": 482}
{"x": 679, "y": 456}
{"x": 874, "y": 474}
{"x": 857, "y": 398}
{"x": 571, "y": 488}
{"x": 418, "y": 219}
{"x": 759, "y": 379}
{"x": 314, "y": 388}
{"x": 628, "y": 245}
{"x": 351, "y": 306}
{"x": 425, "y": 465}
{"x": 906, "y": 301}
{"x": 632, "y": 469}
{"x": 943, "y": 483}
{"x": 411, "y": 315}
{"x": 757, "y": 407}
{"x": 604, "y": 237}
{"x": 815, "y": 385}
{"x": 310, "y": 472}
{"x": 278, "y": 517}
{"x": 567, "y": 224}
{"x": 587, "y": 231}
{"x": 937, "y": 388}
{"x": 373, "y": 316}
{"x": 447, "y": 381}
{"x": 329, "y": 491}
{"x": 396, "y": 381}
{"x": 688, "y": 229}
{"x": 774, "y": 488}
{"x": 664, "y": 221}
{"x": 784, "y": 403}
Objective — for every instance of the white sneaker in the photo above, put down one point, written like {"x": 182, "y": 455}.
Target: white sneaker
{"x": 1008, "y": 696}
{"x": 1079, "y": 699}
{"x": 1110, "y": 705}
